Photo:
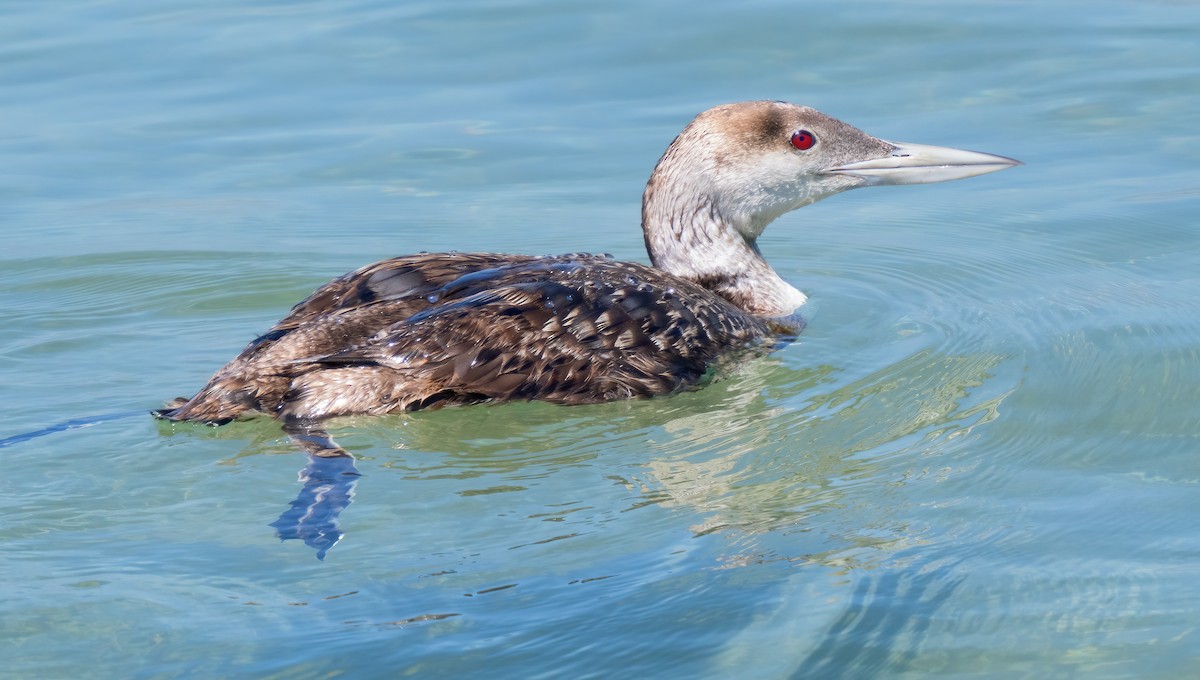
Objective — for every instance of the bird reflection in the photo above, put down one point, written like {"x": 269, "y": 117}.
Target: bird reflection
{"x": 732, "y": 457}
{"x": 328, "y": 489}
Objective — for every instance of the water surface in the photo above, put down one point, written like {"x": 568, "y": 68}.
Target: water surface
{"x": 980, "y": 460}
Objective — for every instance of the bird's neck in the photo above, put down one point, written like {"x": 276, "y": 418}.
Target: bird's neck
{"x": 689, "y": 235}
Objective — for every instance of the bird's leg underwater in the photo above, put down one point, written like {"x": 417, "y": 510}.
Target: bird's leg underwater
{"x": 328, "y": 489}
{"x": 313, "y": 439}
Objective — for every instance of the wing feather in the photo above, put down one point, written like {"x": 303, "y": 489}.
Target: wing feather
{"x": 415, "y": 331}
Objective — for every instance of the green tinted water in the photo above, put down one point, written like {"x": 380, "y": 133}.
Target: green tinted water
{"x": 979, "y": 460}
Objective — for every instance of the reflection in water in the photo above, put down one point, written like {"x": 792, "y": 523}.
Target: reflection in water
{"x": 743, "y": 463}
{"x": 65, "y": 425}
{"x": 771, "y": 468}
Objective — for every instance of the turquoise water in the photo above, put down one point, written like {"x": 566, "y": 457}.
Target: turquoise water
{"x": 982, "y": 459}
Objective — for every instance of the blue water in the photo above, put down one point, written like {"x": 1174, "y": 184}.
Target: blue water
{"x": 982, "y": 459}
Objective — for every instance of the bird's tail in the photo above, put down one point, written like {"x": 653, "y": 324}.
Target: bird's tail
{"x": 221, "y": 401}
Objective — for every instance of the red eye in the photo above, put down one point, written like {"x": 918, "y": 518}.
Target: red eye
{"x": 803, "y": 140}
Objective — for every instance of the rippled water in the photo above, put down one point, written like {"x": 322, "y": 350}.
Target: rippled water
{"x": 981, "y": 458}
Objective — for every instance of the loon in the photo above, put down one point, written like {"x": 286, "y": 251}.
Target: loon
{"x": 451, "y": 328}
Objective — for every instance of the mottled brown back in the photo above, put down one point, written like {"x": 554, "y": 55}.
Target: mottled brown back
{"x": 442, "y": 328}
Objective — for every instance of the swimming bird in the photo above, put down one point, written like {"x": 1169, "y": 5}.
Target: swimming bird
{"x": 452, "y": 328}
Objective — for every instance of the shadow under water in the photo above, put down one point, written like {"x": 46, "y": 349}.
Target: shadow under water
{"x": 869, "y": 636}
